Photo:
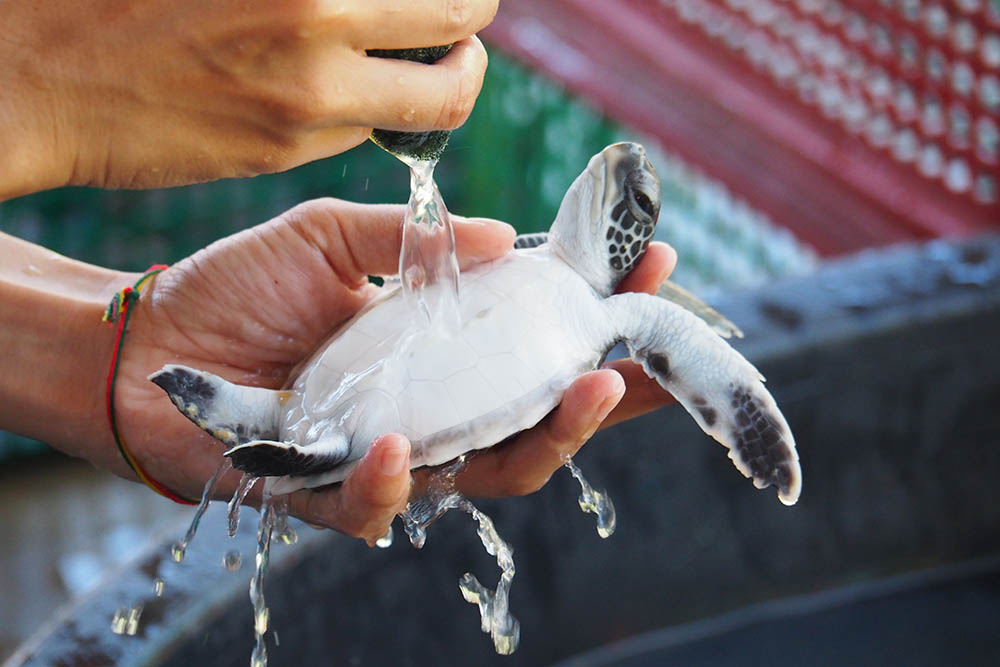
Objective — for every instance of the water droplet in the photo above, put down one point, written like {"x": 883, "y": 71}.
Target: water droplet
{"x": 597, "y": 502}
{"x": 232, "y": 561}
{"x": 158, "y": 585}
{"x": 119, "y": 620}
{"x": 283, "y": 531}
{"x": 385, "y": 541}
{"x": 126, "y": 620}
{"x": 177, "y": 550}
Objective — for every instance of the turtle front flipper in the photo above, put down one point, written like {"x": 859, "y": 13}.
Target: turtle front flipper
{"x": 720, "y": 324}
{"x": 719, "y": 388}
{"x": 269, "y": 458}
{"x": 231, "y": 413}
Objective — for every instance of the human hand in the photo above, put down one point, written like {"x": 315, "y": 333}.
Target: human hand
{"x": 113, "y": 93}
{"x": 252, "y": 306}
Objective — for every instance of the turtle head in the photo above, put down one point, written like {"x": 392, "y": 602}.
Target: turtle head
{"x": 608, "y": 216}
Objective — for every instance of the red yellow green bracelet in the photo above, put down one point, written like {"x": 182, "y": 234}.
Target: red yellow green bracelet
{"x": 119, "y": 310}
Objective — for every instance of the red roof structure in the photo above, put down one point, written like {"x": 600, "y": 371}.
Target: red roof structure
{"x": 854, "y": 123}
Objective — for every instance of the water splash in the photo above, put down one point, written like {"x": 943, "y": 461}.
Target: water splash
{"x": 242, "y": 489}
{"x": 596, "y": 502}
{"x": 428, "y": 265}
{"x": 494, "y": 606}
{"x": 261, "y": 614}
{"x": 178, "y": 549}
{"x": 439, "y": 497}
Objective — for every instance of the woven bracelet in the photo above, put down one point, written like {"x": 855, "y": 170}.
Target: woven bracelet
{"x": 119, "y": 310}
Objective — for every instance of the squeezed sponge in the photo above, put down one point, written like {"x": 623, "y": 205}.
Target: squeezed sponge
{"x": 416, "y": 145}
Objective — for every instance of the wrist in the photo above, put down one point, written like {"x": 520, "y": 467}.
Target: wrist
{"x": 52, "y": 380}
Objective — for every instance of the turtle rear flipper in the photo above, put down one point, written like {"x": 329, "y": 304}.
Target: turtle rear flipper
{"x": 719, "y": 388}
{"x": 231, "y": 413}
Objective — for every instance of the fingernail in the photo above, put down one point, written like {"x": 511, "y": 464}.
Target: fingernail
{"x": 492, "y": 222}
{"x": 394, "y": 456}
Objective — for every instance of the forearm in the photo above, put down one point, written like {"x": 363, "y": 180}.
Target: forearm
{"x": 54, "y": 350}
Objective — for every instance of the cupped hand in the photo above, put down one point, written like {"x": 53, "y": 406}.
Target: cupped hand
{"x": 253, "y": 306}
{"x": 114, "y": 93}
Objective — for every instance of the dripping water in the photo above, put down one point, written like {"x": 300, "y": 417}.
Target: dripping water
{"x": 594, "y": 501}
{"x": 439, "y": 497}
{"x": 385, "y": 541}
{"x": 261, "y": 614}
{"x": 283, "y": 531}
{"x": 178, "y": 549}
{"x": 242, "y": 489}
{"x": 494, "y": 605}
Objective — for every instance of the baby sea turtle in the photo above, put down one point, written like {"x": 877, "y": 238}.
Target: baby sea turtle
{"x": 532, "y": 322}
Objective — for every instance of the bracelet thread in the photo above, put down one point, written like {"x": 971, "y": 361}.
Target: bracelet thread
{"x": 120, "y": 310}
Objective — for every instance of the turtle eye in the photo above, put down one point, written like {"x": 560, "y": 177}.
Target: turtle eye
{"x": 645, "y": 203}
{"x": 641, "y": 206}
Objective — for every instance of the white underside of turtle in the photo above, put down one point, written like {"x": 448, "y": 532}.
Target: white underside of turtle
{"x": 531, "y": 322}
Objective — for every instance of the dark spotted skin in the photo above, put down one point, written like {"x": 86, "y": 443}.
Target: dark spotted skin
{"x": 627, "y": 239}
{"x": 265, "y": 459}
{"x": 660, "y": 364}
{"x": 190, "y": 390}
{"x": 532, "y": 240}
{"x": 759, "y": 441}
{"x": 193, "y": 388}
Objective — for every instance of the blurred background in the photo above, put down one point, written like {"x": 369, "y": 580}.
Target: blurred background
{"x": 784, "y": 132}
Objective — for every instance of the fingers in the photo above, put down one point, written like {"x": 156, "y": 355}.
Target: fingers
{"x": 524, "y": 464}
{"x": 359, "y": 240}
{"x": 368, "y": 500}
{"x": 387, "y": 24}
{"x": 654, "y": 267}
{"x": 402, "y": 95}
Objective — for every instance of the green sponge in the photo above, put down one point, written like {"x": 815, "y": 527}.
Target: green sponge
{"x": 418, "y": 145}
